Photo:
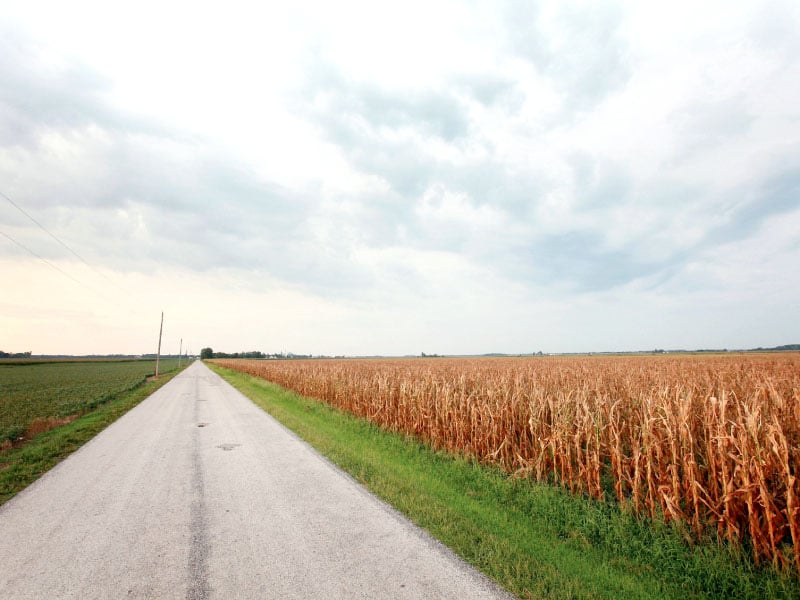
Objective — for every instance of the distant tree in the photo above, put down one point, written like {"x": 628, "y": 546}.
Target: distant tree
{"x": 15, "y": 354}
{"x": 243, "y": 354}
{"x": 206, "y": 353}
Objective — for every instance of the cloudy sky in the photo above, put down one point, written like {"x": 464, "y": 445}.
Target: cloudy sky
{"x": 396, "y": 178}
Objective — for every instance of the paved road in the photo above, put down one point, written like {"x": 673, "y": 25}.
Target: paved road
{"x": 197, "y": 493}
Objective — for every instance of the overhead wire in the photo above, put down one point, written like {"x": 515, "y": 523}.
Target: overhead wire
{"x": 74, "y": 253}
{"x": 56, "y": 267}
{"x": 59, "y": 240}
{"x": 47, "y": 262}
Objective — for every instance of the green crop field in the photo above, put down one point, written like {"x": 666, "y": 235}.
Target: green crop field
{"x": 36, "y": 396}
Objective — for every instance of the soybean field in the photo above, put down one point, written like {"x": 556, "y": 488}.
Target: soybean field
{"x": 37, "y": 396}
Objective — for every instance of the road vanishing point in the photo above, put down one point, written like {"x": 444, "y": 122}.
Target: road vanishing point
{"x": 197, "y": 493}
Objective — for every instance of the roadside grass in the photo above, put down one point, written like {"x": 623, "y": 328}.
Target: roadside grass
{"x": 535, "y": 540}
{"x": 21, "y": 466}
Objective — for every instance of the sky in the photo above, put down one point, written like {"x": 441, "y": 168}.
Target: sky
{"x": 366, "y": 178}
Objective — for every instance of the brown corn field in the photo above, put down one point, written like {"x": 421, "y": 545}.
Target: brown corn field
{"x": 710, "y": 440}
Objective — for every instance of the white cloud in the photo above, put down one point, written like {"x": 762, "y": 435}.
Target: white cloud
{"x": 577, "y": 177}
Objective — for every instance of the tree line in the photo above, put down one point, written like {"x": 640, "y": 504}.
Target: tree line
{"x": 210, "y": 353}
{"x": 15, "y": 354}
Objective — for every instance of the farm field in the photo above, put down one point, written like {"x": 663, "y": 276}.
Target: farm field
{"x": 37, "y": 396}
{"x": 711, "y": 442}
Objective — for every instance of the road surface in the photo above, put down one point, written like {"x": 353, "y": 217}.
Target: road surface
{"x": 197, "y": 493}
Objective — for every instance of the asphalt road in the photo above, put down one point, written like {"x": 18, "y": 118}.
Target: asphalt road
{"x": 197, "y": 493}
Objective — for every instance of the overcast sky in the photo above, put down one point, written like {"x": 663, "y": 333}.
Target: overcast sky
{"x": 396, "y": 178}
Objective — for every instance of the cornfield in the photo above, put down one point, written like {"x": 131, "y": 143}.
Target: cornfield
{"x": 710, "y": 440}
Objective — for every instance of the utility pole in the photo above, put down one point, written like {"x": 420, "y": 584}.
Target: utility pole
{"x": 160, "y": 331}
{"x": 180, "y": 352}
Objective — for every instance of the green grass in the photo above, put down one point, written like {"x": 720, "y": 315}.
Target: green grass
{"x": 19, "y": 467}
{"x": 36, "y": 390}
{"x": 537, "y": 541}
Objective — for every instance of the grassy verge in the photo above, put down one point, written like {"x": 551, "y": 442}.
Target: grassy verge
{"x": 537, "y": 541}
{"x": 19, "y": 467}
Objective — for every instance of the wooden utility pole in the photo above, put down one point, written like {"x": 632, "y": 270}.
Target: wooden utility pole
{"x": 180, "y": 352}
{"x": 160, "y": 331}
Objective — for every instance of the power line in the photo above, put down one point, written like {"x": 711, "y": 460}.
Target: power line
{"x": 52, "y": 235}
{"x": 128, "y": 294}
{"x": 65, "y": 274}
{"x": 47, "y": 262}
